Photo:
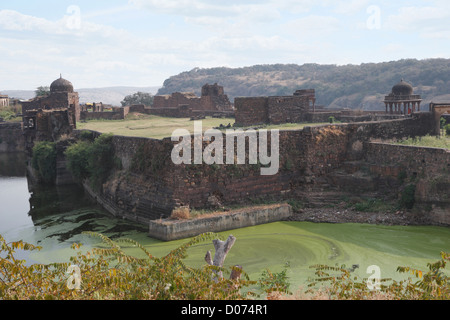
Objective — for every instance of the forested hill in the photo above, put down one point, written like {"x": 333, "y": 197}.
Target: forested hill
{"x": 354, "y": 86}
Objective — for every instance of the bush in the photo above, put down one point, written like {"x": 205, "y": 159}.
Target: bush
{"x": 43, "y": 161}
{"x": 407, "y": 199}
{"x": 432, "y": 284}
{"x": 447, "y": 129}
{"x": 442, "y": 122}
{"x": 94, "y": 160}
{"x": 78, "y": 159}
{"x": 101, "y": 159}
{"x": 107, "y": 273}
{"x": 87, "y": 135}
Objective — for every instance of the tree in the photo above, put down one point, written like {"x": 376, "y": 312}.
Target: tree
{"x": 138, "y": 98}
{"x": 42, "y": 91}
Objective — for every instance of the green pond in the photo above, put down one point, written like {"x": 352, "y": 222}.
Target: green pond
{"x": 55, "y": 218}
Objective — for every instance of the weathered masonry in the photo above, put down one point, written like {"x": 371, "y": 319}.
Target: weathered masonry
{"x": 150, "y": 186}
{"x": 186, "y": 104}
{"x": 274, "y": 110}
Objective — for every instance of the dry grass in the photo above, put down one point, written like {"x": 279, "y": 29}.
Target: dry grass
{"x": 326, "y": 132}
{"x": 181, "y": 213}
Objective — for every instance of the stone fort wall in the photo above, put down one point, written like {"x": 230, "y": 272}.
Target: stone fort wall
{"x": 150, "y": 185}
{"x": 11, "y": 137}
{"x": 271, "y": 110}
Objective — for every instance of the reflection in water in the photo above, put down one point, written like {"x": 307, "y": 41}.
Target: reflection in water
{"x": 67, "y": 211}
{"x": 53, "y": 217}
{"x": 13, "y": 164}
{"x": 50, "y": 200}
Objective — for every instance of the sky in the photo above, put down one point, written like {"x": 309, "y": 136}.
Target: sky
{"x": 103, "y": 43}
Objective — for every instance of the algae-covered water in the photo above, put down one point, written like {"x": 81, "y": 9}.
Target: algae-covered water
{"x": 54, "y": 218}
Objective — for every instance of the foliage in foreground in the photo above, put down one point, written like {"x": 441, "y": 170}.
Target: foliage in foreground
{"x": 433, "y": 284}
{"x": 108, "y": 273}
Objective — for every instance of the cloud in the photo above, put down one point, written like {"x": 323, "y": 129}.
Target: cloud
{"x": 427, "y": 21}
{"x": 313, "y": 26}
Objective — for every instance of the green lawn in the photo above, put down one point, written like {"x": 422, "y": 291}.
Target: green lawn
{"x": 156, "y": 127}
{"x": 442, "y": 142}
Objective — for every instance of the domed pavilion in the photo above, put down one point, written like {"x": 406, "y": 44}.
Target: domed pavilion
{"x": 402, "y": 99}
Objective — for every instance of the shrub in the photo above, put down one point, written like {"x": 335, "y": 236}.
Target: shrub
{"x": 108, "y": 273}
{"x": 94, "y": 160}
{"x": 78, "y": 159}
{"x": 101, "y": 159}
{"x": 43, "y": 161}
{"x": 87, "y": 135}
{"x": 442, "y": 122}
{"x": 271, "y": 282}
{"x": 407, "y": 199}
{"x": 447, "y": 130}
{"x": 432, "y": 285}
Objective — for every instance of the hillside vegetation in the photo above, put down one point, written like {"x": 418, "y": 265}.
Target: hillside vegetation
{"x": 354, "y": 86}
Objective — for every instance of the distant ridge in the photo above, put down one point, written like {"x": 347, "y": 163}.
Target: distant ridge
{"x": 108, "y": 95}
{"x": 354, "y": 86}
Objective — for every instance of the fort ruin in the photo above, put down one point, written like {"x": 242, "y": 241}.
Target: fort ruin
{"x": 213, "y": 101}
{"x": 317, "y": 162}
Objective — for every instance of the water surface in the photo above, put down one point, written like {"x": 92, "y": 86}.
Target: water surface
{"x": 55, "y": 217}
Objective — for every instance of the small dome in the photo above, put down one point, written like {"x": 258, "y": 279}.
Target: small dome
{"x": 61, "y": 85}
{"x": 402, "y": 89}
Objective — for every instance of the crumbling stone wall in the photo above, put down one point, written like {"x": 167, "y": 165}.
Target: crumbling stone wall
{"x": 271, "y": 110}
{"x": 251, "y": 111}
{"x": 428, "y": 169}
{"x": 290, "y": 109}
{"x": 183, "y": 104}
{"x": 117, "y": 113}
{"x": 150, "y": 185}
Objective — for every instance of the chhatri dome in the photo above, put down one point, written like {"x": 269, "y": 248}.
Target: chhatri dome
{"x": 402, "y": 89}
{"x": 61, "y": 85}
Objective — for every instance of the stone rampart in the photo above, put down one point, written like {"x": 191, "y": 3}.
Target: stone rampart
{"x": 150, "y": 185}
{"x": 428, "y": 169}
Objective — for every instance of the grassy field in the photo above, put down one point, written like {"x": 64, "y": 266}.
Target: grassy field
{"x": 442, "y": 142}
{"x": 149, "y": 126}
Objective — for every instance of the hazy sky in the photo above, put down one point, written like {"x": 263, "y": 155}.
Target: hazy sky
{"x": 101, "y": 43}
